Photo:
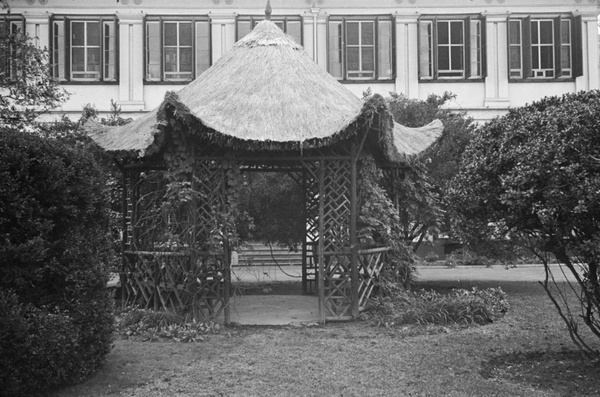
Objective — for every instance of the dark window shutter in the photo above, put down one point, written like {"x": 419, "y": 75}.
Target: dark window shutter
{"x": 434, "y": 45}
{"x": 557, "y": 48}
{"x": 577, "y": 49}
{"x": 526, "y": 42}
{"x": 483, "y": 47}
{"x": 67, "y": 39}
{"x": 467, "y": 43}
{"x": 117, "y": 50}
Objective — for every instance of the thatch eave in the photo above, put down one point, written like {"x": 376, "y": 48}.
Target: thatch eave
{"x": 174, "y": 108}
{"x": 391, "y": 142}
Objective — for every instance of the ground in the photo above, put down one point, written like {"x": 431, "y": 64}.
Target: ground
{"x": 527, "y": 353}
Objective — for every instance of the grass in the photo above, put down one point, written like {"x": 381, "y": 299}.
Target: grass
{"x": 526, "y": 353}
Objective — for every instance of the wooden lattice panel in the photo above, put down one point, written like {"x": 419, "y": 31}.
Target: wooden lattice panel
{"x": 370, "y": 263}
{"x": 338, "y": 292}
{"x": 174, "y": 281}
{"x": 210, "y": 181}
{"x": 336, "y": 238}
{"x": 336, "y": 201}
{"x": 310, "y": 183}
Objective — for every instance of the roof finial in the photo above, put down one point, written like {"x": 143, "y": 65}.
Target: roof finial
{"x": 268, "y": 11}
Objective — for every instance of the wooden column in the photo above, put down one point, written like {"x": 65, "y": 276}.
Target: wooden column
{"x": 124, "y": 196}
{"x": 321, "y": 272}
{"x": 304, "y": 241}
{"x": 226, "y": 254}
{"x": 354, "y": 284}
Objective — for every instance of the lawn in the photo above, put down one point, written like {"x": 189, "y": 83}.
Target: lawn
{"x": 527, "y": 353}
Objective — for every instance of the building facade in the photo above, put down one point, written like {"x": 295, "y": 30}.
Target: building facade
{"x": 493, "y": 54}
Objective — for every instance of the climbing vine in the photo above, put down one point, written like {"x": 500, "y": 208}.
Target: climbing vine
{"x": 194, "y": 203}
{"x": 380, "y": 225}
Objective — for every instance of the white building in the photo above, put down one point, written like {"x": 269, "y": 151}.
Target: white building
{"x": 493, "y": 54}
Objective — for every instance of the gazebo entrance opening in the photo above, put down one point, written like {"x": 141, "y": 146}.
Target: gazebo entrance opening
{"x": 275, "y": 256}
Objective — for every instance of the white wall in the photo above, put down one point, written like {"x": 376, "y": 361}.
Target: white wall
{"x": 483, "y": 99}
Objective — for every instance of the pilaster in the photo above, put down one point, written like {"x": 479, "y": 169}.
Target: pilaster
{"x": 321, "y": 42}
{"x": 131, "y": 62}
{"x": 496, "y": 82}
{"x": 223, "y": 34}
{"x": 589, "y": 43}
{"x": 407, "y": 56}
{"x": 37, "y": 26}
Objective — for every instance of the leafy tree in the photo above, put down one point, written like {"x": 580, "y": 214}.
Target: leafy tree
{"x": 531, "y": 179}
{"x": 26, "y": 86}
{"x": 421, "y": 195}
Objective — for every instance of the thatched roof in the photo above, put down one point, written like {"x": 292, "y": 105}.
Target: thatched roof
{"x": 411, "y": 141}
{"x": 265, "y": 93}
{"x": 136, "y": 136}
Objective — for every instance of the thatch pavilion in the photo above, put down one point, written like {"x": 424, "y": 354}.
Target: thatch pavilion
{"x": 265, "y": 105}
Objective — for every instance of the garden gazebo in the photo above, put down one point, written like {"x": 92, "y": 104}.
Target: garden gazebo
{"x": 264, "y": 105}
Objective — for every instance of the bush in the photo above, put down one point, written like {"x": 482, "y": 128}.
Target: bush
{"x": 429, "y": 307}
{"x": 54, "y": 253}
{"x": 152, "y": 325}
{"x": 431, "y": 257}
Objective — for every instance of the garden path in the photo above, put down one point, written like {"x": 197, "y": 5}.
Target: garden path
{"x": 273, "y": 309}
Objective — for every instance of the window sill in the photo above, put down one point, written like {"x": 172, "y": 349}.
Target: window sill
{"x": 563, "y": 80}
{"x": 182, "y": 82}
{"x": 445, "y": 81}
{"x": 386, "y": 81}
{"x": 87, "y": 82}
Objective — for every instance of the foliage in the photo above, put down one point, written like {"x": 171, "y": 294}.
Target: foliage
{"x": 442, "y": 160}
{"x": 71, "y": 133}
{"x": 152, "y": 325}
{"x": 26, "y": 86}
{"x": 379, "y": 225}
{"x": 421, "y": 195}
{"x": 460, "y": 306}
{"x": 431, "y": 257}
{"x": 54, "y": 252}
{"x": 532, "y": 178}
{"x": 176, "y": 216}
{"x": 90, "y": 112}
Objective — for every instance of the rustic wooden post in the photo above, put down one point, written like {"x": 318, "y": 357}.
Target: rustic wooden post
{"x": 321, "y": 279}
{"x": 226, "y": 281}
{"x": 354, "y": 285}
{"x": 354, "y": 281}
{"x": 304, "y": 240}
{"x": 226, "y": 247}
{"x": 122, "y": 276}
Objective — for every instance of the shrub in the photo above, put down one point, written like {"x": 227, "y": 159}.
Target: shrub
{"x": 531, "y": 179}
{"x": 429, "y": 307}
{"x": 431, "y": 257}
{"x": 54, "y": 253}
{"x": 152, "y": 325}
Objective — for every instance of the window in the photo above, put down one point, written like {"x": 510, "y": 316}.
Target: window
{"x": 10, "y": 25}
{"x": 177, "y": 48}
{"x": 360, "y": 48}
{"x": 451, "y": 47}
{"x": 84, "y": 48}
{"x": 544, "y": 47}
{"x": 291, "y": 25}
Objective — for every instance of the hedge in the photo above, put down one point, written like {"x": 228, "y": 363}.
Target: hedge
{"x": 57, "y": 316}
